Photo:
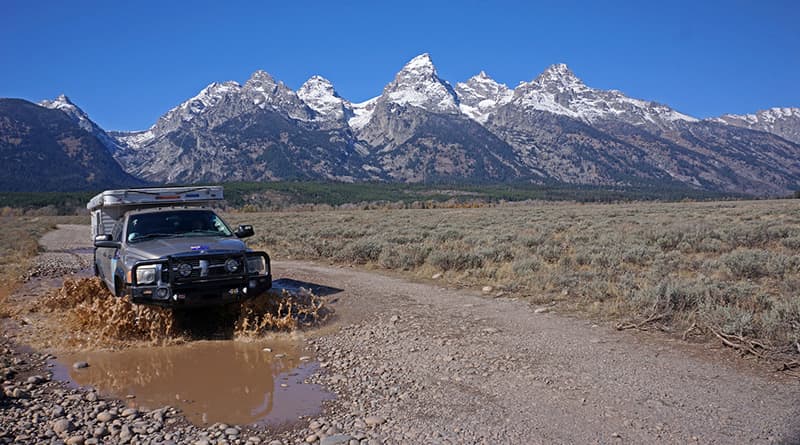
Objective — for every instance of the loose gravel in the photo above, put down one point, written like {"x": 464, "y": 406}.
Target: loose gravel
{"x": 418, "y": 363}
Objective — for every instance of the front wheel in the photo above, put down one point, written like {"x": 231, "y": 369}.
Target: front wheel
{"x": 118, "y": 289}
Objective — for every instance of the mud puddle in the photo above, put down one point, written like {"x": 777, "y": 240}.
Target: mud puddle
{"x": 226, "y": 381}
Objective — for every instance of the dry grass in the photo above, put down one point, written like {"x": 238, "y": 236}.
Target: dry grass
{"x": 727, "y": 267}
{"x": 19, "y": 237}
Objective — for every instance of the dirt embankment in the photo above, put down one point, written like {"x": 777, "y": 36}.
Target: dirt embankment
{"x": 420, "y": 363}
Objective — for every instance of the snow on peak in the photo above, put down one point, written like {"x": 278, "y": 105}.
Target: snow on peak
{"x": 263, "y": 91}
{"x": 419, "y": 85}
{"x": 770, "y": 116}
{"x": 207, "y": 98}
{"x": 318, "y": 93}
{"x": 63, "y": 103}
{"x": 559, "y": 69}
{"x": 783, "y": 121}
{"x": 422, "y": 62}
{"x": 560, "y": 77}
{"x": 60, "y": 101}
{"x": 481, "y": 95}
{"x": 558, "y": 90}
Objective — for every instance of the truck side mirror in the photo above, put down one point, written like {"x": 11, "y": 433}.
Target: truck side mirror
{"x": 106, "y": 241}
{"x": 244, "y": 231}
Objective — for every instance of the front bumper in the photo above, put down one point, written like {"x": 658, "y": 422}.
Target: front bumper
{"x": 173, "y": 290}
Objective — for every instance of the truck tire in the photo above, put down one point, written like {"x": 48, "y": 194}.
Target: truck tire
{"x": 118, "y": 287}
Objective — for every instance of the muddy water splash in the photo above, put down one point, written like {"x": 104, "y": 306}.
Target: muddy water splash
{"x": 286, "y": 312}
{"x": 91, "y": 310}
{"x": 87, "y": 310}
{"x": 244, "y": 376}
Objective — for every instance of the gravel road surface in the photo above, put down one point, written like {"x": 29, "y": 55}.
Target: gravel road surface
{"x": 421, "y": 363}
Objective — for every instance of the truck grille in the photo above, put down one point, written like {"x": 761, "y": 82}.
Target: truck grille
{"x": 207, "y": 267}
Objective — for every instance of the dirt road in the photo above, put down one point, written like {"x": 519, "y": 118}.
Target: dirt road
{"x": 470, "y": 369}
{"x": 419, "y": 363}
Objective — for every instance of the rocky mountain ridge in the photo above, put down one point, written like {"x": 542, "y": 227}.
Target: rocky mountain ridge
{"x": 44, "y": 149}
{"x": 785, "y": 122}
{"x": 422, "y": 129}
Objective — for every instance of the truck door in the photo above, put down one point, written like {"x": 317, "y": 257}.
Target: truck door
{"x": 107, "y": 257}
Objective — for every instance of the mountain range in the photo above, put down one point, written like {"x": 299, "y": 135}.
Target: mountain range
{"x": 552, "y": 129}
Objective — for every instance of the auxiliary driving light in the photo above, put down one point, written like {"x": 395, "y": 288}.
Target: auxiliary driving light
{"x": 231, "y": 265}
{"x": 185, "y": 269}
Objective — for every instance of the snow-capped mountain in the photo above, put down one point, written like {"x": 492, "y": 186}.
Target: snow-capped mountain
{"x": 263, "y": 91}
{"x": 319, "y": 95}
{"x": 785, "y": 122}
{"x": 62, "y": 103}
{"x": 418, "y": 85}
{"x": 481, "y": 95}
{"x": 421, "y": 129}
{"x": 558, "y": 90}
{"x": 417, "y": 133}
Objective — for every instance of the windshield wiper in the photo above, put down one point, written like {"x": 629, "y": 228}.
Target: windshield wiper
{"x": 151, "y": 236}
{"x": 201, "y": 232}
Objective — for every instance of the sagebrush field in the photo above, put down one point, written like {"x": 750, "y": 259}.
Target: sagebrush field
{"x": 722, "y": 268}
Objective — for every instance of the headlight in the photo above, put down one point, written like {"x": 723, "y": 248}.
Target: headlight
{"x": 146, "y": 275}
{"x": 256, "y": 265}
{"x": 231, "y": 265}
{"x": 185, "y": 269}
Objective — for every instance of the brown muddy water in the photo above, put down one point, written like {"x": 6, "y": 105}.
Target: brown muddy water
{"x": 227, "y": 381}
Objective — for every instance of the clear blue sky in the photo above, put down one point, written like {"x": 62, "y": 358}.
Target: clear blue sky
{"x": 126, "y": 63}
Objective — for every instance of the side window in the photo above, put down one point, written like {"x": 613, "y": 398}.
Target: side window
{"x": 116, "y": 233}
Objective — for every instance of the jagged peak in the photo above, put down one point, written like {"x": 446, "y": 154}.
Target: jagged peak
{"x": 316, "y": 78}
{"x": 260, "y": 78}
{"x": 558, "y": 73}
{"x": 421, "y": 62}
{"x": 316, "y": 82}
{"x": 261, "y": 75}
{"x": 419, "y": 85}
{"x": 63, "y": 99}
{"x": 59, "y": 101}
{"x": 483, "y": 78}
{"x": 480, "y": 77}
{"x": 559, "y": 68}
{"x": 214, "y": 87}
{"x": 318, "y": 94}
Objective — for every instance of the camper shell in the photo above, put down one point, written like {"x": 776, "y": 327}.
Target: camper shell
{"x": 165, "y": 246}
{"x": 110, "y": 206}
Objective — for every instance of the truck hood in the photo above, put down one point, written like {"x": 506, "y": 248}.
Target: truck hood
{"x": 162, "y": 247}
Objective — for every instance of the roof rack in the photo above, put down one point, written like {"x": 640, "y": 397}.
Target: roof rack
{"x": 156, "y": 197}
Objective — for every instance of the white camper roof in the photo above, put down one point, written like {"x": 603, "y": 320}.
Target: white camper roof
{"x": 156, "y": 197}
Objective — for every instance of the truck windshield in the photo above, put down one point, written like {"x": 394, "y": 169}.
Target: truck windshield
{"x": 145, "y": 226}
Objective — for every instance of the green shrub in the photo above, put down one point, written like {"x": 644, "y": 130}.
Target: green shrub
{"x": 670, "y": 295}
{"x": 363, "y": 251}
{"x": 404, "y": 259}
{"x": 756, "y": 263}
{"x": 526, "y": 266}
{"x": 451, "y": 260}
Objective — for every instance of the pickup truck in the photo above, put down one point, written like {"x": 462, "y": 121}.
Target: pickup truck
{"x": 164, "y": 247}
